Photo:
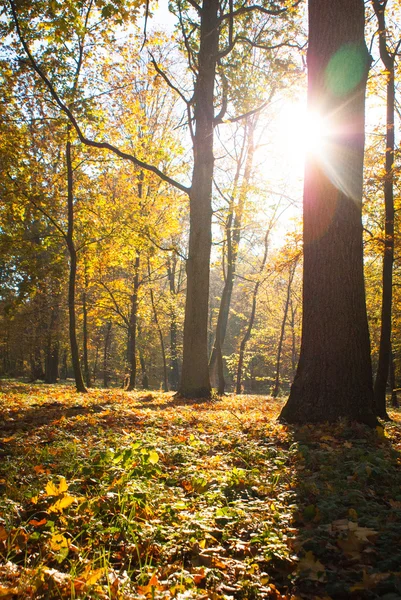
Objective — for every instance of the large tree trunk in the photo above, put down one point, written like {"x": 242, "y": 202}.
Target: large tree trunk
{"x": 334, "y": 375}
{"x": 388, "y": 256}
{"x": 195, "y": 372}
{"x": 79, "y": 383}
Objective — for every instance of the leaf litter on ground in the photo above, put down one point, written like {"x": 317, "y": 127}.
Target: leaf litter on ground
{"x": 117, "y": 495}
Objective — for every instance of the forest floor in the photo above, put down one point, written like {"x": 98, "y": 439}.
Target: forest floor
{"x": 143, "y": 496}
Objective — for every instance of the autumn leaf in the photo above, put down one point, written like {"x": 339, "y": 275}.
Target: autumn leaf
{"x": 58, "y": 541}
{"x": 312, "y": 568}
{"x": 369, "y": 581}
{"x": 153, "y": 457}
{"x": 8, "y": 593}
{"x": 94, "y": 576}
{"x": 63, "y": 503}
{"x": 149, "y": 589}
{"x": 55, "y": 490}
{"x": 36, "y": 523}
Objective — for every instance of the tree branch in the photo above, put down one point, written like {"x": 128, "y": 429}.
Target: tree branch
{"x": 73, "y": 121}
{"x": 255, "y": 7}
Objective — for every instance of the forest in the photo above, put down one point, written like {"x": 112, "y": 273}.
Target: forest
{"x": 199, "y": 305}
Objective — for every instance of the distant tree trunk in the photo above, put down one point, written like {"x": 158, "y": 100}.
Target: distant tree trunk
{"x": 106, "y": 352}
{"x": 52, "y": 349}
{"x": 382, "y": 373}
{"x": 36, "y": 366}
{"x": 156, "y": 319}
{"x": 79, "y": 383}
{"x": 85, "y": 329}
{"x": 293, "y": 311}
{"x": 334, "y": 375}
{"x": 64, "y": 366}
{"x": 96, "y": 360}
{"x": 142, "y": 362}
{"x": 195, "y": 381}
{"x": 131, "y": 377}
{"x": 276, "y": 387}
{"x": 249, "y": 328}
{"x": 233, "y": 237}
{"x": 85, "y": 340}
{"x": 174, "y": 366}
{"x": 245, "y": 339}
{"x": 394, "y": 398}
{"x": 145, "y": 378}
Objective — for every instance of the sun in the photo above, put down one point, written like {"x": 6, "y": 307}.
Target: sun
{"x": 302, "y": 132}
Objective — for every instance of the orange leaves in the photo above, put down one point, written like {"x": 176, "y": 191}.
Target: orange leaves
{"x": 149, "y": 590}
{"x": 3, "y": 533}
{"x": 36, "y": 523}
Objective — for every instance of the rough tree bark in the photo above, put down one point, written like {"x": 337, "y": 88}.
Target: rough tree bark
{"x": 334, "y": 374}
{"x": 195, "y": 371}
{"x": 388, "y": 60}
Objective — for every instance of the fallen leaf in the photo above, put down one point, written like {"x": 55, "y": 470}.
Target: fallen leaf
{"x": 314, "y": 568}
{"x": 36, "y": 523}
{"x": 56, "y": 490}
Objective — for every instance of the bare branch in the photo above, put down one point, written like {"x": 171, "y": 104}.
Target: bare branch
{"x": 257, "y": 8}
{"x": 245, "y": 115}
{"x": 115, "y": 303}
{"x": 168, "y": 80}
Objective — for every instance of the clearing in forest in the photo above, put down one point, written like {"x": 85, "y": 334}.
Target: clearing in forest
{"x": 140, "y": 495}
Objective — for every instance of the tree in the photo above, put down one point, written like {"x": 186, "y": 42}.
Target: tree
{"x": 334, "y": 374}
{"x": 388, "y": 58}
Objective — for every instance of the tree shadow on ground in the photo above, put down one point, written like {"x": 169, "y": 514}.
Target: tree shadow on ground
{"x": 348, "y": 492}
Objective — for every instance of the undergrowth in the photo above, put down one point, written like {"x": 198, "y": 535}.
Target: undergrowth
{"x": 115, "y": 495}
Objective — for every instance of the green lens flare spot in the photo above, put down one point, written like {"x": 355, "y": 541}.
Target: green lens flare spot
{"x": 346, "y": 69}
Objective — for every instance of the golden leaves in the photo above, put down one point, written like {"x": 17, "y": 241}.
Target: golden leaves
{"x": 55, "y": 490}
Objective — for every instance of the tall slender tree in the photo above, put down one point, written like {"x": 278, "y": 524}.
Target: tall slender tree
{"x": 334, "y": 375}
{"x": 388, "y": 58}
